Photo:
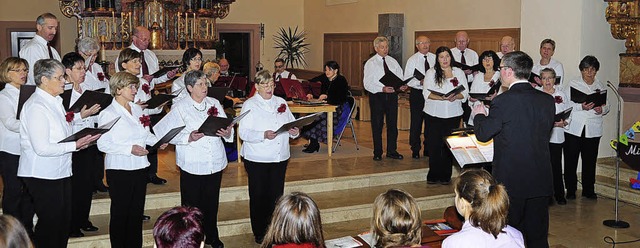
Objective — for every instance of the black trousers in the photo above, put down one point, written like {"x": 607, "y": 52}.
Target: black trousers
{"x": 587, "y": 148}
{"x": 266, "y": 185}
{"x": 52, "y": 201}
{"x": 98, "y": 170}
{"x": 556, "y": 169}
{"x": 203, "y": 192}
{"x": 83, "y": 166}
{"x": 152, "y": 170}
{"x": 531, "y": 217}
{"x": 416, "y": 103}
{"x": 440, "y": 158}
{"x": 384, "y": 105}
{"x": 127, "y": 190}
{"x": 16, "y": 200}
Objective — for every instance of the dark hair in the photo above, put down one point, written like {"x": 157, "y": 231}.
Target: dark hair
{"x": 126, "y": 55}
{"x": 589, "y": 61}
{"x": 491, "y": 54}
{"x": 548, "y": 41}
{"x": 396, "y": 219}
{"x": 180, "y": 227}
{"x": 281, "y": 60}
{"x": 70, "y": 59}
{"x": 12, "y": 233}
{"x": 332, "y": 65}
{"x": 191, "y": 77}
{"x": 296, "y": 220}
{"x": 46, "y": 68}
{"x": 439, "y": 72}
{"x": 488, "y": 199}
{"x": 519, "y": 62}
{"x": 188, "y": 55}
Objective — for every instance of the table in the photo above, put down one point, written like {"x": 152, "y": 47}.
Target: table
{"x": 305, "y": 109}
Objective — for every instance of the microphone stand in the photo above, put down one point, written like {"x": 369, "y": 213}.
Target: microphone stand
{"x": 616, "y": 223}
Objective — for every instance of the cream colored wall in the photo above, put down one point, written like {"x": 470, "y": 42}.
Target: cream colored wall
{"x": 419, "y": 15}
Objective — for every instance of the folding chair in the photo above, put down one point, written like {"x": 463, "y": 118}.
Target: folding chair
{"x": 345, "y": 119}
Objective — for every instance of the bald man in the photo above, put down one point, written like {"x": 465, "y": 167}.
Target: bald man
{"x": 464, "y": 55}
{"x": 39, "y": 47}
{"x": 224, "y": 67}
{"x": 422, "y": 61}
{"x": 507, "y": 45}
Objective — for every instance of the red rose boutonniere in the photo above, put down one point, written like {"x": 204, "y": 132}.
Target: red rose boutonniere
{"x": 213, "y": 111}
{"x": 492, "y": 83}
{"x": 100, "y": 76}
{"x": 282, "y": 108}
{"x": 69, "y": 116}
{"x": 146, "y": 88}
{"x": 145, "y": 120}
{"x": 558, "y": 99}
{"x": 598, "y": 91}
{"x": 454, "y": 81}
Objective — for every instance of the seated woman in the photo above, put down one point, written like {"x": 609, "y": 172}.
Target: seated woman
{"x": 484, "y": 204}
{"x": 191, "y": 61}
{"x": 180, "y": 227}
{"x": 335, "y": 91}
{"x": 296, "y": 222}
{"x": 12, "y": 233}
{"x": 396, "y": 220}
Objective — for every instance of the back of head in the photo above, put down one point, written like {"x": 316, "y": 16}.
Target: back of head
{"x": 210, "y": 68}
{"x": 396, "y": 219}
{"x": 520, "y": 62}
{"x": 296, "y": 220}
{"x": 180, "y": 227}
{"x": 489, "y": 200}
{"x": 12, "y": 233}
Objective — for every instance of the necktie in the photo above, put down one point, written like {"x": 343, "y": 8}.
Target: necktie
{"x": 50, "y": 52}
{"x": 145, "y": 67}
{"x": 462, "y": 60}
{"x": 426, "y": 64}
{"x": 278, "y": 78}
{"x": 384, "y": 64}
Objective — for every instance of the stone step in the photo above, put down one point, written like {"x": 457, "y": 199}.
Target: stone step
{"x": 606, "y": 186}
{"x": 609, "y": 170}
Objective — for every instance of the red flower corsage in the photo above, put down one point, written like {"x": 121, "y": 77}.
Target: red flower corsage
{"x": 100, "y": 76}
{"x": 213, "y": 111}
{"x": 558, "y": 99}
{"x": 282, "y": 108}
{"x": 145, "y": 120}
{"x": 146, "y": 88}
{"x": 492, "y": 83}
{"x": 454, "y": 81}
{"x": 598, "y": 91}
{"x": 69, "y": 116}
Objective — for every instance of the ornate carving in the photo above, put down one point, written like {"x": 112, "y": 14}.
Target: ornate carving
{"x": 70, "y": 8}
{"x": 624, "y": 17}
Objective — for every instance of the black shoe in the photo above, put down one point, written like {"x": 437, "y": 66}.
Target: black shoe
{"x": 215, "y": 244}
{"x": 561, "y": 201}
{"x": 591, "y": 196}
{"x": 102, "y": 188}
{"x": 146, "y": 217}
{"x": 445, "y": 182}
{"x": 431, "y": 182}
{"x": 395, "y": 155}
{"x": 89, "y": 228}
{"x": 157, "y": 180}
{"x": 259, "y": 239}
{"x": 415, "y": 155}
{"x": 312, "y": 147}
{"x": 571, "y": 196}
{"x": 76, "y": 234}
{"x": 377, "y": 157}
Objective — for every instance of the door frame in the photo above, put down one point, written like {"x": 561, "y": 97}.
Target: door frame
{"x": 254, "y": 40}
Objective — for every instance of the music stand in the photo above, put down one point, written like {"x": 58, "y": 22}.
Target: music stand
{"x": 293, "y": 88}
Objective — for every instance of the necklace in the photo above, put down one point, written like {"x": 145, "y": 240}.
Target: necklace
{"x": 200, "y": 110}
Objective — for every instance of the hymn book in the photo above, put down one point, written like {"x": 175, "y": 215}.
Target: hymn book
{"x": 91, "y": 131}
{"x": 598, "y": 98}
{"x": 391, "y": 80}
{"x": 300, "y": 122}
{"x": 214, "y": 123}
{"x": 563, "y": 115}
{"x": 454, "y": 91}
{"x": 468, "y": 150}
{"x": 90, "y": 98}
{"x": 25, "y": 92}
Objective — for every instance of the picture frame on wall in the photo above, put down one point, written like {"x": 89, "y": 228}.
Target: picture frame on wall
{"x": 18, "y": 40}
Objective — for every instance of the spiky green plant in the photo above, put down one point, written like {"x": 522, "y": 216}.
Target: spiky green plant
{"x": 292, "y": 47}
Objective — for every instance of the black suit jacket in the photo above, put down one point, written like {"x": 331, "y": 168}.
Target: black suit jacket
{"x": 520, "y": 122}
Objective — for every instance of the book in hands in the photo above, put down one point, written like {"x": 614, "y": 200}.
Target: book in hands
{"x": 391, "y": 80}
{"x": 164, "y": 71}
{"x": 464, "y": 67}
{"x": 563, "y": 115}
{"x": 167, "y": 137}
{"x": 533, "y": 76}
{"x": 300, "y": 122}
{"x": 90, "y": 98}
{"x": 483, "y": 96}
{"x": 213, "y": 123}
{"x": 454, "y": 91}
{"x": 91, "y": 131}
{"x": 418, "y": 75}
{"x": 25, "y": 92}
{"x": 598, "y": 98}
{"x": 158, "y": 100}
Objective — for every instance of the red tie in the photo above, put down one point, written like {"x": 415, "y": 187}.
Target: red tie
{"x": 145, "y": 67}
{"x": 462, "y": 60}
{"x": 426, "y": 64}
{"x": 50, "y": 52}
{"x": 384, "y": 64}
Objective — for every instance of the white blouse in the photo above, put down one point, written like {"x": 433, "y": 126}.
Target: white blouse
{"x": 143, "y": 96}
{"x": 562, "y": 103}
{"x": 589, "y": 120}
{"x": 128, "y": 131}
{"x": 481, "y": 86}
{"x": 42, "y": 125}
{"x": 10, "y": 128}
{"x": 264, "y": 116}
{"x": 416, "y": 61}
{"x": 92, "y": 79}
{"x": 470, "y": 236}
{"x": 553, "y": 64}
{"x": 78, "y": 123}
{"x": 444, "y": 109}
{"x": 178, "y": 84}
{"x": 206, "y": 155}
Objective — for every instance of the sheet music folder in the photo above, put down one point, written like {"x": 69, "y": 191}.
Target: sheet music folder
{"x": 467, "y": 150}
{"x": 597, "y": 98}
{"x": 533, "y": 76}
{"x": 218, "y": 93}
{"x": 163, "y": 71}
{"x": 476, "y": 67}
{"x": 563, "y": 115}
{"x": 391, "y": 80}
{"x": 25, "y": 92}
{"x": 167, "y": 137}
{"x": 213, "y": 123}
{"x": 481, "y": 96}
{"x": 418, "y": 75}
{"x": 455, "y": 90}
{"x": 158, "y": 100}
{"x": 91, "y": 131}
{"x": 300, "y": 122}
{"x": 89, "y": 98}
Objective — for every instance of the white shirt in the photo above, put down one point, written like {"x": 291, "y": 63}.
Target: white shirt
{"x": 416, "y": 61}
{"x": 36, "y": 49}
{"x": 42, "y": 125}
{"x": 444, "y": 109}
{"x": 10, "y": 128}
{"x": 470, "y": 56}
{"x": 206, "y": 155}
{"x": 78, "y": 123}
{"x": 264, "y": 116}
{"x": 481, "y": 86}
{"x": 178, "y": 84}
{"x": 374, "y": 71}
{"x": 470, "y": 236}
{"x": 144, "y": 96}
{"x": 92, "y": 80}
{"x": 128, "y": 131}
{"x": 589, "y": 120}
{"x": 553, "y": 64}
{"x": 500, "y": 55}
{"x": 152, "y": 63}
{"x": 562, "y": 103}
{"x": 284, "y": 74}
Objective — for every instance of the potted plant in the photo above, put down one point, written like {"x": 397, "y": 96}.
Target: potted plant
{"x": 292, "y": 46}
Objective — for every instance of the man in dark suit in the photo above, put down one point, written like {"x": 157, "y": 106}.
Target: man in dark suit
{"x": 520, "y": 122}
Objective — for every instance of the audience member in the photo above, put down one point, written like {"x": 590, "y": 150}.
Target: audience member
{"x": 396, "y": 220}
{"x": 179, "y": 227}
{"x": 296, "y": 222}
{"x": 12, "y": 233}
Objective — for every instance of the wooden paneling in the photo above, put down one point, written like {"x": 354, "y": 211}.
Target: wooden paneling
{"x": 350, "y": 50}
{"x": 480, "y": 39}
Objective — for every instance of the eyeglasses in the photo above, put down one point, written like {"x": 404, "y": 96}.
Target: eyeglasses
{"x": 423, "y": 42}
{"x": 59, "y": 78}
{"x": 196, "y": 59}
{"x": 589, "y": 69}
{"x": 268, "y": 85}
{"x": 78, "y": 68}
{"x": 504, "y": 66}
{"x": 548, "y": 78}
{"x": 132, "y": 86}
{"x": 87, "y": 55}
{"x": 20, "y": 70}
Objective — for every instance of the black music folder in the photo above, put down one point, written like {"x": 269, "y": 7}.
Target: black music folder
{"x": 454, "y": 91}
{"x": 167, "y": 137}
{"x": 300, "y": 122}
{"x": 597, "y": 98}
{"x": 213, "y": 123}
{"x": 533, "y": 76}
{"x": 482, "y": 96}
{"x": 89, "y": 98}
{"x": 218, "y": 93}
{"x": 25, "y": 92}
{"x": 90, "y": 131}
{"x": 563, "y": 115}
{"x": 158, "y": 100}
{"x": 418, "y": 75}
{"x": 476, "y": 67}
{"x": 163, "y": 71}
{"x": 391, "y": 80}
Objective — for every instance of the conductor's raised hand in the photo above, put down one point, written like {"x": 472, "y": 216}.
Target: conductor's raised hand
{"x": 85, "y": 141}
{"x": 86, "y": 112}
{"x": 139, "y": 150}
{"x": 478, "y": 109}
{"x": 270, "y": 134}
